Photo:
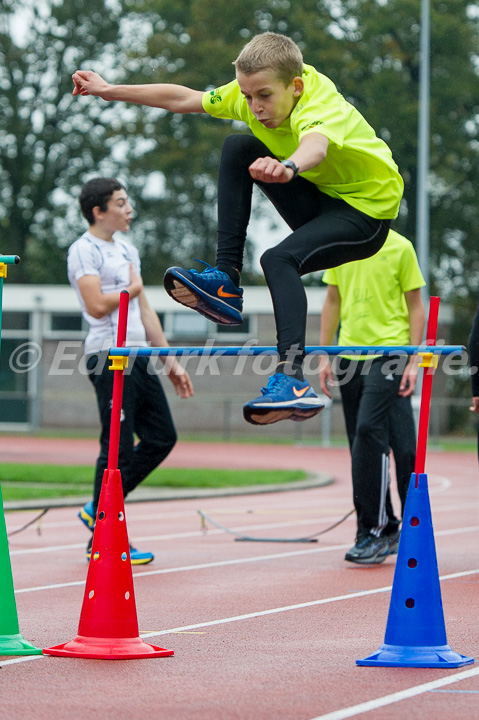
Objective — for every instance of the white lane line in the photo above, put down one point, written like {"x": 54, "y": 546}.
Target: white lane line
{"x": 200, "y": 533}
{"x": 298, "y": 606}
{"x": 398, "y": 696}
{"x": 222, "y": 563}
{"x": 193, "y": 533}
{"x": 134, "y": 519}
{"x": 272, "y": 611}
{"x": 462, "y": 692}
{"x": 444, "y": 483}
{"x": 200, "y": 566}
{"x": 24, "y": 658}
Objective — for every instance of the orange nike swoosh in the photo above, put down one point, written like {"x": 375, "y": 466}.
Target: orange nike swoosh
{"x": 300, "y": 393}
{"x": 222, "y": 293}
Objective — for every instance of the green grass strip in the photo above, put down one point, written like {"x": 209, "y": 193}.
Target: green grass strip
{"x": 21, "y": 482}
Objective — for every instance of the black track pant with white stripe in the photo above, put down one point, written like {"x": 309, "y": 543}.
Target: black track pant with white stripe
{"x": 377, "y": 419}
{"x": 327, "y": 232}
{"x": 145, "y": 414}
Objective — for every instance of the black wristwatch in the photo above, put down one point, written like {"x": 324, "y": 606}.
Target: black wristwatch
{"x": 293, "y": 166}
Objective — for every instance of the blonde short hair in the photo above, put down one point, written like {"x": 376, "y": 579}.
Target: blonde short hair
{"x": 271, "y": 51}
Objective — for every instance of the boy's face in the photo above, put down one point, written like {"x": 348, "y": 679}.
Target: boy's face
{"x": 118, "y": 213}
{"x": 268, "y": 99}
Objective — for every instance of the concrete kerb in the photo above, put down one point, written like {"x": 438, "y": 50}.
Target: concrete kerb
{"x": 156, "y": 494}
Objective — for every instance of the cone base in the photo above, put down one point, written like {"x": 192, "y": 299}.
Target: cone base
{"x": 108, "y": 649}
{"x": 17, "y": 645}
{"x": 415, "y": 656}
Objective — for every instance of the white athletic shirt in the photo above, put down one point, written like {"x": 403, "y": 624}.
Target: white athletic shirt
{"x": 110, "y": 261}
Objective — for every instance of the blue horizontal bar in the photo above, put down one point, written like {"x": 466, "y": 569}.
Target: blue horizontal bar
{"x": 9, "y": 259}
{"x": 228, "y": 351}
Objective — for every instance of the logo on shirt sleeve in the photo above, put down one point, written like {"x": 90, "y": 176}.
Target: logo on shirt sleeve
{"x": 313, "y": 124}
{"x": 215, "y": 96}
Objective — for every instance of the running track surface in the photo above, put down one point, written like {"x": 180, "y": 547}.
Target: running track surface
{"x": 260, "y": 631}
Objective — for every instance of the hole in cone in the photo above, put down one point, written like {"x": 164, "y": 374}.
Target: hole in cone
{"x": 127, "y": 595}
{"x": 101, "y": 515}
{"x": 124, "y": 556}
{"x": 121, "y": 516}
{"x": 91, "y": 594}
{"x": 415, "y": 521}
{"x": 410, "y": 603}
{"x": 96, "y": 556}
{"x": 412, "y": 562}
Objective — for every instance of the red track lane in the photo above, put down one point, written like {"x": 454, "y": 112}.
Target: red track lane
{"x": 271, "y": 631}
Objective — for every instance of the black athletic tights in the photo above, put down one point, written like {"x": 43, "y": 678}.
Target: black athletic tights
{"x": 145, "y": 413}
{"x": 327, "y": 232}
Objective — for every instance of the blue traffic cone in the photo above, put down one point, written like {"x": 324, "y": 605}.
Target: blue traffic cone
{"x": 415, "y": 631}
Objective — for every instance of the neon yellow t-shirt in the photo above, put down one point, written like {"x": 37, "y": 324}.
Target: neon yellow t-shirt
{"x": 359, "y": 167}
{"x": 373, "y": 307}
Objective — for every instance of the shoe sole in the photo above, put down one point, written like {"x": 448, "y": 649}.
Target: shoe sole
{"x": 374, "y": 560}
{"x": 303, "y": 404}
{"x": 393, "y": 549}
{"x": 187, "y": 294}
{"x": 266, "y": 418}
{"x": 270, "y": 413}
{"x": 144, "y": 561}
{"x": 183, "y": 295}
{"x": 306, "y": 415}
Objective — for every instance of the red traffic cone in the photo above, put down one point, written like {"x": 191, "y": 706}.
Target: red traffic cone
{"x": 108, "y": 627}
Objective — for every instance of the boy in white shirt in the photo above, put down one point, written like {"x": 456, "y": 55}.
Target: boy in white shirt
{"x": 100, "y": 267}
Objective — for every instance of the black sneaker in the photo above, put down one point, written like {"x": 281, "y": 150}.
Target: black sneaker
{"x": 393, "y": 541}
{"x": 369, "y": 550}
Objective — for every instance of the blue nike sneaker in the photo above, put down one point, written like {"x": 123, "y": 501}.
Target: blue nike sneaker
{"x": 86, "y": 515}
{"x": 211, "y": 293}
{"x": 283, "y": 398}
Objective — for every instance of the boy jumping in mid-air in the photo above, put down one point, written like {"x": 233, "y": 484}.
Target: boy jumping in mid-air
{"x": 321, "y": 165}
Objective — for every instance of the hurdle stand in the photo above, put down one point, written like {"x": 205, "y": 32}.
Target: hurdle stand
{"x": 11, "y": 641}
{"x": 254, "y": 350}
{"x": 108, "y": 628}
{"x": 422, "y": 641}
{"x": 415, "y": 632}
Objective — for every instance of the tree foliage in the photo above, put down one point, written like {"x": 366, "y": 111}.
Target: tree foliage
{"x": 47, "y": 143}
{"x": 52, "y": 142}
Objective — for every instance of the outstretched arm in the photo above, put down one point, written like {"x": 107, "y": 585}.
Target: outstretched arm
{"x": 175, "y": 98}
{"x": 154, "y": 333}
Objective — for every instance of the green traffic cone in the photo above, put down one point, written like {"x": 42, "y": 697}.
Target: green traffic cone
{"x": 11, "y": 641}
